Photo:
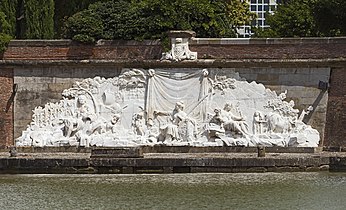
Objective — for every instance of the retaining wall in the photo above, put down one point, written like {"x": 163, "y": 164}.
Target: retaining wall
{"x": 41, "y": 70}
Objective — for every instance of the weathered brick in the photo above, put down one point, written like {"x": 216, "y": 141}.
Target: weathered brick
{"x": 6, "y": 107}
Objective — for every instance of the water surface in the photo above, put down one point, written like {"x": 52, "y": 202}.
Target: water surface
{"x": 175, "y": 191}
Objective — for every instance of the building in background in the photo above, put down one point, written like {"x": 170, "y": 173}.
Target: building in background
{"x": 261, "y": 8}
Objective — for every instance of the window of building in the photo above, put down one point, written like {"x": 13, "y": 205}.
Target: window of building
{"x": 261, "y": 8}
{"x": 266, "y": 7}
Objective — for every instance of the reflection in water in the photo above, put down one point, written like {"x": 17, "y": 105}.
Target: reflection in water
{"x": 175, "y": 191}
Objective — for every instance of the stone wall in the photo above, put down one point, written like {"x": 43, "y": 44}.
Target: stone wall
{"x": 40, "y": 85}
{"x": 42, "y": 69}
{"x": 301, "y": 85}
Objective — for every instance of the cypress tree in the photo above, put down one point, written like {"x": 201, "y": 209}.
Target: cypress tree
{"x": 38, "y": 19}
{"x": 8, "y": 8}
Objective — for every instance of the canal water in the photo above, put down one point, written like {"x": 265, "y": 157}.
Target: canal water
{"x": 320, "y": 190}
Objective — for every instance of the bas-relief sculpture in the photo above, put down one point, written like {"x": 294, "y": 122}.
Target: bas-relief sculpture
{"x": 194, "y": 107}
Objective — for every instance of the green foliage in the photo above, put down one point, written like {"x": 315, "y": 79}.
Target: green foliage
{"x": 264, "y": 33}
{"x": 207, "y": 18}
{"x": 294, "y": 19}
{"x": 85, "y": 26}
{"x": 330, "y": 16}
{"x": 8, "y": 8}
{"x": 306, "y": 18}
{"x": 5, "y": 27}
{"x": 151, "y": 19}
{"x": 66, "y": 8}
{"x": 4, "y": 40}
{"x": 120, "y": 19}
{"x": 38, "y": 22}
{"x": 107, "y": 20}
{"x": 238, "y": 13}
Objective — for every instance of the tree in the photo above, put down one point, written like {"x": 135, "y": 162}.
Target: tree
{"x": 63, "y": 9}
{"x": 8, "y": 8}
{"x": 293, "y": 19}
{"x": 330, "y": 17}
{"x": 106, "y": 20}
{"x": 4, "y": 29}
{"x": 7, "y": 22}
{"x": 151, "y": 19}
{"x": 207, "y": 18}
{"x": 36, "y": 19}
{"x": 304, "y": 18}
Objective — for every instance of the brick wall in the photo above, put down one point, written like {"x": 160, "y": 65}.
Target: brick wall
{"x": 68, "y": 50}
{"x": 6, "y": 107}
{"x": 294, "y": 48}
{"x": 238, "y": 49}
{"x": 336, "y": 111}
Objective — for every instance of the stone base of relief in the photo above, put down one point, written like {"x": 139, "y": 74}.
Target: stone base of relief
{"x": 177, "y": 107}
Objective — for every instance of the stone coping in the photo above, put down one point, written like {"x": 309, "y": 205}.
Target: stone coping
{"x": 203, "y": 63}
{"x": 168, "y": 149}
{"x": 193, "y": 41}
{"x": 69, "y": 42}
{"x": 267, "y": 41}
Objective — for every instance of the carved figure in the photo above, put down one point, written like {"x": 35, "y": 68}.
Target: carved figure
{"x": 112, "y": 125}
{"x": 138, "y": 124}
{"x": 259, "y": 123}
{"x": 179, "y": 127}
{"x": 82, "y": 124}
{"x": 215, "y": 127}
{"x": 232, "y": 122}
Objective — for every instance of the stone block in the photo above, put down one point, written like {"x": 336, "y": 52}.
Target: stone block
{"x": 121, "y": 152}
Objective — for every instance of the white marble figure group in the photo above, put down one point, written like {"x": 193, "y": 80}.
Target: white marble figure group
{"x": 195, "y": 107}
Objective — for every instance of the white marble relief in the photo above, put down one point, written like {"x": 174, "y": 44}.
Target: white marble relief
{"x": 169, "y": 106}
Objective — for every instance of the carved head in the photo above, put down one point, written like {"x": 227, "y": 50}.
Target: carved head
{"x": 82, "y": 99}
{"x": 217, "y": 111}
{"x": 228, "y": 106}
{"x": 179, "y": 105}
{"x": 205, "y": 72}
